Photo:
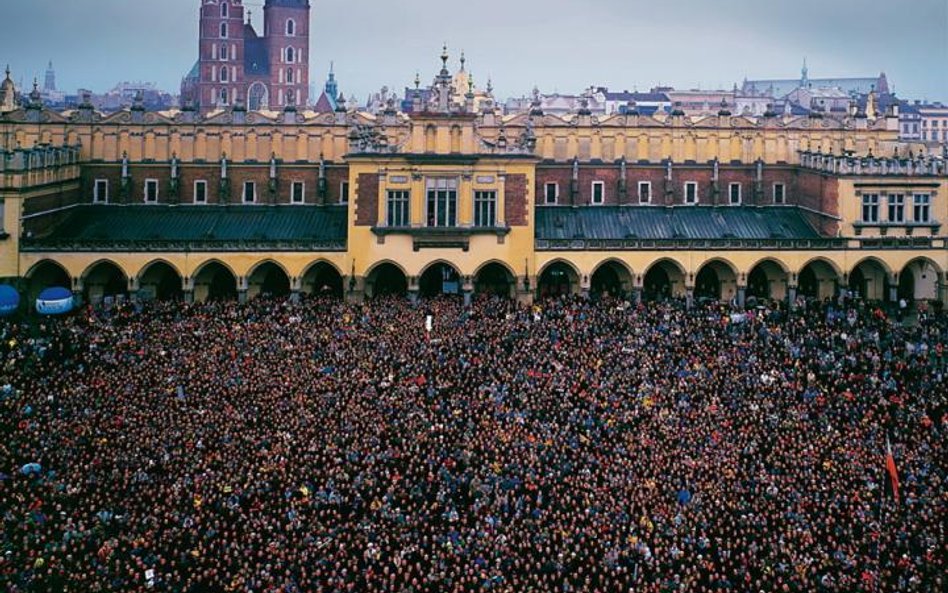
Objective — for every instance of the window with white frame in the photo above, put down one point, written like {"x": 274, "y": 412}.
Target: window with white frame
{"x": 151, "y": 191}
{"x": 290, "y": 55}
{"x": 397, "y": 208}
{"x": 290, "y": 28}
{"x": 223, "y": 97}
{"x": 224, "y": 9}
{"x": 691, "y": 192}
{"x": 100, "y": 191}
{"x": 344, "y": 192}
{"x": 223, "y": 53}
{"x": 250, "y": 192}
{"x": 551, "y": 193}
{"x": 896, "y": 208}
{"x": 780, "y": 193}
{"x": 922, "y": 206}
{"x": 442, "y": 202}
{"x": 223, "y": 30}
{"x": 645, "y": 192}
{"x": 870, "y": 208}
{"x": 598, "y": 192}
{"x": 734, "y": 194}
{"x": 289, "y": 76}
{"x": 485, "y": 208}
{"x": 224, "y": 74}
{"x": 298, "y": 192}
{"x": 200, "y": 192}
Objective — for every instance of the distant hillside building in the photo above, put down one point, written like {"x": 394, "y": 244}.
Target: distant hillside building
{"x": 236, "y": 65}
{"x": 780, "y": 88}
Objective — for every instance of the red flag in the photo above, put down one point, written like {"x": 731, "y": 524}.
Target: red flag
{"x": 891, "y": 469}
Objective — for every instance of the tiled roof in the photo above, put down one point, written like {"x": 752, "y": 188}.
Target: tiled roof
{"x": 144, "y": 225}
{"x": 650, "y": 222}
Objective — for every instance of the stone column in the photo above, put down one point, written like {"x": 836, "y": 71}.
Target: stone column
{"x": 893, "y": 296}
{"x": 413, "y": 295}
{"x": 637, "y": 295}
{"x": 791, "y": 295}
{"x": 296, "y": 288}
{"x": 741, "y": 296}
{"x": 584, "y": 287}
{"x": 187, "y": 290}
{"x": 242, "y": 290}
{"x": 467, "y": 289}
{"x": 77, "y": 291}
{"x": 690, "y": 296}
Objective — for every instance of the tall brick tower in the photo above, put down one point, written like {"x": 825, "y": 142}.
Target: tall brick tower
{"x": 286, "y": 29}
{"x": 220, "y": 54}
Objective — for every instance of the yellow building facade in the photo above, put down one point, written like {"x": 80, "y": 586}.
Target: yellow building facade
{"x": 449, "y": 199}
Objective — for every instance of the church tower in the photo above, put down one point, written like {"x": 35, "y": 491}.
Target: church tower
{"x": 286, "y": 28}
{"x": 7, "y": 94}
{"x": 221, "y": 54}
{"x": 50, "y": 82}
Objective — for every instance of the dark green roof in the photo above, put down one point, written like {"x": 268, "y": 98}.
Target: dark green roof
{"x": 151, "y": 227}
{"x": 681, "y": 223}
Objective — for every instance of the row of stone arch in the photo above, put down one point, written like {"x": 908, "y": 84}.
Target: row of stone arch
{"x": 769, "y": 279}
{"x": 160, "y": 280}
{"x": 717, "y": 279}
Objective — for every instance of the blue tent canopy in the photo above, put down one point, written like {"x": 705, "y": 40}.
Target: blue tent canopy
{"x": 9, "y": 299}
{"x": 56, "y": 293}
{"x": 55, "y": 301}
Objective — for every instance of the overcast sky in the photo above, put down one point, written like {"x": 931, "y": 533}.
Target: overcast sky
{"x": 558, "y": 45}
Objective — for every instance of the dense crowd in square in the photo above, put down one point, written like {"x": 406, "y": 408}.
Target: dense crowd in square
{"x": 574, "y": 445}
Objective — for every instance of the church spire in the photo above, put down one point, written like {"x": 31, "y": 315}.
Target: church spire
{"x": 805, "y": 75}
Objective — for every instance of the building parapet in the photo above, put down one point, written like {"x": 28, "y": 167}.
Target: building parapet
{"x": 872, "y": 166}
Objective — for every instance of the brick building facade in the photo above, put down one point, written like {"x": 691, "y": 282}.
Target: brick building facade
{"x": 238, "y": 66}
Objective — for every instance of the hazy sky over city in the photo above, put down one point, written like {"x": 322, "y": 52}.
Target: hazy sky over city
{"x": 558, "y": 45}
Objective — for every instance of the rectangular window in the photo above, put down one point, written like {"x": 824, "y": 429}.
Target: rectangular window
{"x": 2, "y": 207}
{"x": 552, "y": 193}
{"x": 298, "y": 192}
{"x": 780, "y": 193}
{"x": 896, "y": 208}
{"x": 645, "y": 192}
{"x": 151, "y": 191}
{"x": 691, "y": 192}
{"x": 398, "y": 212}
{"x": 250, "y": 192}
{"x": 734, "y": 194}
{"x": 870, "y": 208}
{"x": 344, "y": 192}
{"x": 100, "y": 191}
{"x": 442, "y": 210}
{"x": 598, "y": 192}
{"x": 485, "y": 209}
{"x": 200, "y": 192}
{"x": 922, "y": 206}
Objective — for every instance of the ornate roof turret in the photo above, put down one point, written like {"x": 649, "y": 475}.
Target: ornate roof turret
{"x": 724, "y": 111}
{"x": 536, "y": 106}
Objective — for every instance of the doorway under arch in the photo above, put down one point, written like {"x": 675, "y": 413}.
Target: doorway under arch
{"x": 386, "y": 280}
{"x": 159, "y": 282}
{"x": 918, "y": 280}
{"x": 46, "y": 274}
{"x": 558, "y": 279}
{"x": 767, "y": 281}
{"x": 665, "y": 279}
{"x": 869, "y": 280}
{"x": 611, "y": 279}
{"x": 323, "y": 279}
{"x": 103, "y": 282}
{"x": 268, "y": 280}
{"x": 496, "y": 280}
{"x": 215, "y": 282}
{"x": 818, "y": 280}
{"x": 716, "y": 281}
{"x": 438, "y": 279}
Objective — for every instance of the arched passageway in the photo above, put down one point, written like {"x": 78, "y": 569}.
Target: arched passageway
{"x": 323, "y": 279}
{"x": 558, "y": 279}
{"x": 46, "y": 274}
{"x": 715, "y": 281}
{"x": 663, "y": 280}
{"x": 818, "y": 280}
{"x": 439, "y": 279}
{"x": 611, "y": 279}
{"x": 767, "y": 281}
{"x": 159, "y": 282}
{"x": 918, "y": 281}
{"x": 215, "y": 282}
{"x": 869, "y": 281}
{"x": 386, "y": 280}
{"x": 268, "y": 280}
{"x": 104, "y": 282}
{"x": 496, "y": 280}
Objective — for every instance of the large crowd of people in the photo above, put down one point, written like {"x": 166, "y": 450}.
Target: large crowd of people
{"x": 571, "y": 446}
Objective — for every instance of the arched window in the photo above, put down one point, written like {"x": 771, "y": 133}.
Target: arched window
{"x": 224, "y": 10}
{"x": 223, "y": 30}
{"x": 223, "y": 52}
{"x": 224, "y": 74}
{"x": 290, "y": 55}
{"x": 290, "y": 28}
{"x": 223, "y": 96}
{"x": 289, "y": 76}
